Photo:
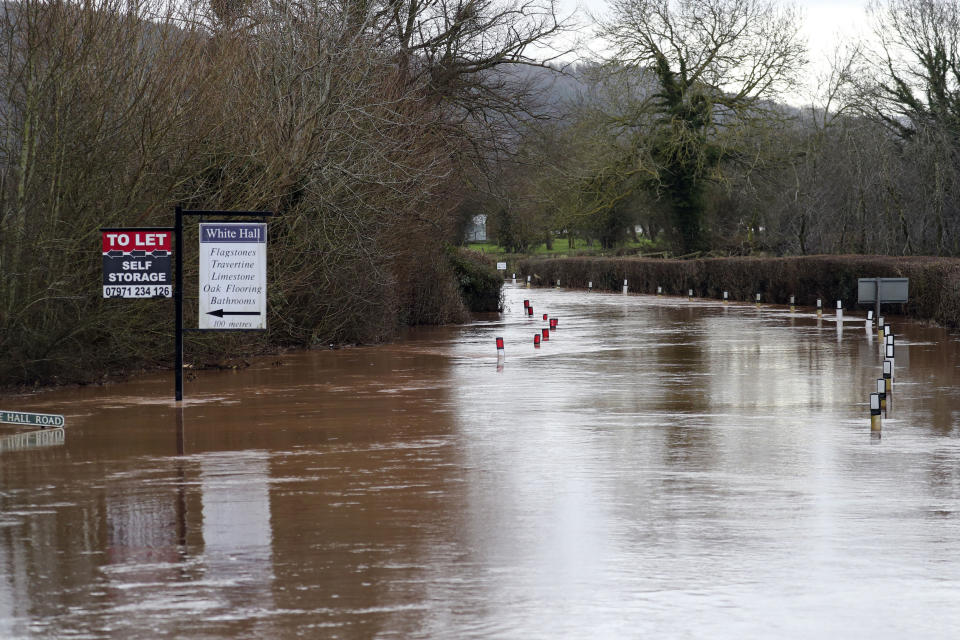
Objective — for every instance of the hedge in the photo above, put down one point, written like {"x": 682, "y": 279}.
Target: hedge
{"x": 934, "y": 282}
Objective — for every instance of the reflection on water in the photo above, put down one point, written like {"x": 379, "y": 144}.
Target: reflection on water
{"x": 32, "y": 439}
{"x": 658, "y": 467}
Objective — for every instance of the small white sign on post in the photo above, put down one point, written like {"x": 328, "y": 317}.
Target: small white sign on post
{"x": 233, "y": 275}
{"x": 501, "y": 266}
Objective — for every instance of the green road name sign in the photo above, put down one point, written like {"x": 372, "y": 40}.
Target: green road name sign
{"x": 31, "y": 419}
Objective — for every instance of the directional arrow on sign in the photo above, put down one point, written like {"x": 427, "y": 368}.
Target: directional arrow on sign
{"x": 115, "y": 253}
{"x": 220, "y": 313}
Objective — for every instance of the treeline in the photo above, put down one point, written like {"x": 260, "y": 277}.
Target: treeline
{"x": 357, "y": 123}
{"x": 685, "y": 134}
{"x": 375, "y": 130}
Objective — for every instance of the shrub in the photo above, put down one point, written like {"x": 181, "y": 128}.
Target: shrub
{"x": 480, "y": 283}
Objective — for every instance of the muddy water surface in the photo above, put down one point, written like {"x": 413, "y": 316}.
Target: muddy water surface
{"x": 659, "y": 468}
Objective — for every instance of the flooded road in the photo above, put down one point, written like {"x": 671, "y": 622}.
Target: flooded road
{"x": 658, "y": 468}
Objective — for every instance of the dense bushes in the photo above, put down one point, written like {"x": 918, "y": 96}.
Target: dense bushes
{"x": 480, "y": 283}
{"x": 338, "y": 122}
{"x": 934, "y": 282}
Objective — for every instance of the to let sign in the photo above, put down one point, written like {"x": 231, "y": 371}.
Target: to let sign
{"x": 31, "y": 419}
{"x": 233, "y": 275}
{"x": 136, "y": 263}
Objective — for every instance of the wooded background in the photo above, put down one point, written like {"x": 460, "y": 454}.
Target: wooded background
{"x": 376, "y": 129}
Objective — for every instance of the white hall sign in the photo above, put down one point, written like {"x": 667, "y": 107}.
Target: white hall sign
{"x": 233, "y": 275}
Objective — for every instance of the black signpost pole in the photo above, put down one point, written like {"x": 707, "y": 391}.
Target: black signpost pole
{"x": 178, "y": 285}
{"x": 178, "y": 304}
{"x": 876, "y": 313}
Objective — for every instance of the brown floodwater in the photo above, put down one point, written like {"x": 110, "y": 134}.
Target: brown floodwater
{"x": 659, "y": 467}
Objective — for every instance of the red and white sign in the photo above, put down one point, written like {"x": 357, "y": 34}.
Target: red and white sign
{"x": 136, "y": 263}
{"x": 128, "y": 241}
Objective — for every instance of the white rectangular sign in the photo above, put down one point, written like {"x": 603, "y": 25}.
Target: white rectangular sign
{"x": 501, "y": 266}
{"x": 233, "y": 275}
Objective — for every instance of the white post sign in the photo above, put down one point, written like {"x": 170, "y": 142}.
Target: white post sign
{"x": 233, "y": 275}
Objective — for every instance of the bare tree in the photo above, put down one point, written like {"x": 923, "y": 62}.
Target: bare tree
{"x": 916, "y": 66}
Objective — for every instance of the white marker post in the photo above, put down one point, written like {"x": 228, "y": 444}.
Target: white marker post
{"x": 514, "y": 279}
{"x": 888, "y": 354}
{"x": 758, "y": 299}
{"x": 690, "y": 295}
{"x": 726, "y": 296}
{"x": 625, "y": 287}
{"x": 793, "y": 306}
{"x": 590, "y": 286}
{"x": 819, "y": 308}
{"x": 839, "y": 310}
{"x": 528, "y": 282}
{"x": 876, "y": 419}
{"x": 659, "y": 291}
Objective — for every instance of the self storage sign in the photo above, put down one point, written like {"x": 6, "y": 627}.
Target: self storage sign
{"x": 136, "y": 263}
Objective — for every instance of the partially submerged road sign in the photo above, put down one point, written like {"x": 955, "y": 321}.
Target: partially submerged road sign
{"x": 31, "y": 419}
{"x": 233, "y": 275}
{"x": 882, "y": 290}
{"x": 136, "y": 263}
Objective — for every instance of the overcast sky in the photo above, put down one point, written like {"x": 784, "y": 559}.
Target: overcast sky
{"x": 826, "y": 23}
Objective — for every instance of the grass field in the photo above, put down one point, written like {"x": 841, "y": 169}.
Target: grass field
{"x": 561, "y": 247}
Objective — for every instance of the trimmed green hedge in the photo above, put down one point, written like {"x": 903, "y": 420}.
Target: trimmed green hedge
{"x": 934, "y": 282}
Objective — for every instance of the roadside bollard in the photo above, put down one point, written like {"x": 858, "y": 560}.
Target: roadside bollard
{"x": 888, "y": 374}
{"x": 819, "y": 308}
{"x": 526, "y": 303}
{"x": 553, "y": 323}
{"x": 690, "y": 295}
{"x": 839, "y": 310}
{"x": 590, "y": 286}
{"x": 888, "y": 354}
{"x": 530, "y": 311}
{"x": 758, "y": 299}
{"x": 870, "y": 317}
{"x": 876, "y": 420}
{"x": 624, "y": 286}
{"x": 528, "y": 282}
{"x": 514, "y": 279}
{"x": 499, "y": 348}
{"x": 659, "y": 291}
{"x": 544, "y": 316}
{"x": 882, "y": 392}
{"x": 880, "y": 326}
{"x": 726, "y": 296}
{"x": 793, "y": 306}
{"x": 546, "y": 333}
{"x": 558, "y": 283}
{"x": 536, "y": 340}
